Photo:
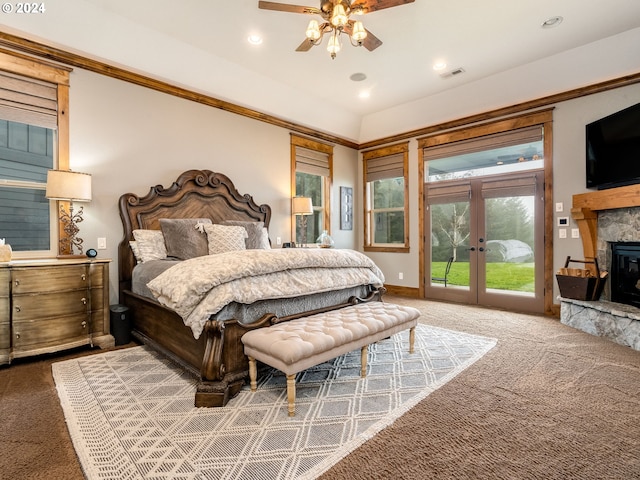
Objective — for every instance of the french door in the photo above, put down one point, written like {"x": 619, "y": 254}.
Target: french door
{"x": 490, "y": 229}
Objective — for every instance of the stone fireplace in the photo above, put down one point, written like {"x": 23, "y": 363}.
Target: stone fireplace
{"x": 608, "y": 219}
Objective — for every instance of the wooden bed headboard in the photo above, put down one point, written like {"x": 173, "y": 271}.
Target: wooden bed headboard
{"x": 195, "y": 194}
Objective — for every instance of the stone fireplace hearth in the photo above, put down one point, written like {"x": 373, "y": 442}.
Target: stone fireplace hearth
{"x": 605, "y": 217}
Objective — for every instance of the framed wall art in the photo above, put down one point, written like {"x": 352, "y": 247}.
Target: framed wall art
{"x": 346, "y": 208}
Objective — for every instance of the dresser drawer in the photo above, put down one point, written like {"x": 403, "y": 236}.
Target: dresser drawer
{"x": 48, "y": 279}
{"x": 4, "y": 282}
{"x": 43, "y": 333}
{"x": 59, "y": 304}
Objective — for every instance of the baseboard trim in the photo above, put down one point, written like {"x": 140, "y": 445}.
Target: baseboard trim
{"x": 410, "y": 292}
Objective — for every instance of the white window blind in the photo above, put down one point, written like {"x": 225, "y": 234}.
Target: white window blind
{"x": 312, "y": 162}
{"x": 380, "y": 168}
{"x": 488, "y": 142}
{"x": 28, "y": 101}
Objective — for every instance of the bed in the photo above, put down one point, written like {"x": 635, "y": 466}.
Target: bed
{"x": 212, "y": 350}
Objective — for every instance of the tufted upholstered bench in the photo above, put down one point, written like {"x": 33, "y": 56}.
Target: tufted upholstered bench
{"x": 296, "y": 345}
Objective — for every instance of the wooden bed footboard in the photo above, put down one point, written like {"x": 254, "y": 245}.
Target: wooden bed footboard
{"x": 217, "y": 358}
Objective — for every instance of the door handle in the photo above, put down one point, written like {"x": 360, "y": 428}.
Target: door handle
{"x": 472, "y": 249}
{"x": 481, "y": 249}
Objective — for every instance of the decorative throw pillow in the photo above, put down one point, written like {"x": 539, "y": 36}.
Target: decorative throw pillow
{"x": 150, "y": 245}
{"x": 136, "y": 251}
{"x": 225, "y": 238}
{"x": 254, "y": 232}
{"x": 183, "y": 238}
{"x": 264, "y": 242}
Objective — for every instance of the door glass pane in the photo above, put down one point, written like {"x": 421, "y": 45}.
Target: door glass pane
{"x": 494, "y": 161}
{"x": 509, "y": 228}
{"x": 450, "y": 236}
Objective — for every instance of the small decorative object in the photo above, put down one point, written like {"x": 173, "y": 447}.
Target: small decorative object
{"x": 91, "y": 253}
{"x": 325, "y": 240}
{"x": 5, "y": 251}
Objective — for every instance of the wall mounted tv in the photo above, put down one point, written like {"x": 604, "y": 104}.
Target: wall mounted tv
{"x": 613, "y": 149}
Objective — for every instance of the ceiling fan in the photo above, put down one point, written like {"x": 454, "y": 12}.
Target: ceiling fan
{"x": 336, "y": 15}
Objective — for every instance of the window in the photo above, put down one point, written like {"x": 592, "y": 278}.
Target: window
{"x": 386, "y": 199}
{"x": 33, "y": 129}
{"x": 312, "y": 167}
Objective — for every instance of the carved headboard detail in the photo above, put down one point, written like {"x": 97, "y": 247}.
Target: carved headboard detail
{"x": 195, "y": 194}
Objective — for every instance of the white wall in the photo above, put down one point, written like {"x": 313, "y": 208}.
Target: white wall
{"x": 131, "y": 138}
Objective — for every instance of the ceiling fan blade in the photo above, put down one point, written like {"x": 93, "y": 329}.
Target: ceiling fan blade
{"x": 368, "y": 6}
{"x": 371, "y": 42}
{"x": 281, "y": 7}
{"x": 305, "y": 46}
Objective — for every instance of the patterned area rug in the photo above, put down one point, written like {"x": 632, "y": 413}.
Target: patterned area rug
{"x": 130, "y": 412}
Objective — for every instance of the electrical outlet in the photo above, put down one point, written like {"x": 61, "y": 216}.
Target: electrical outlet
{"x": 562, "y": 233}
{"x": 575, "y": 233}
{"x": 102, "y": 243}
{"x": 278, "y": 240}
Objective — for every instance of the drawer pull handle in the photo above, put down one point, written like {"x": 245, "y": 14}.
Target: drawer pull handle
{"x": 17, "y": 283}
{"x": 17, "y": 335}
{"x": 84, "y": 324}
{"x": 17, "y": 308}
{"x": 84, "y": 277}
{"x": 83, "y": 300}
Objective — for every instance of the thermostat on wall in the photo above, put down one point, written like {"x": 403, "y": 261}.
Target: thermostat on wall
{"x": 563, "y": 221}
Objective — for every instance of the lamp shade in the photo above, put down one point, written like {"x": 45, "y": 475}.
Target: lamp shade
{"x": 67, "y": 185}
{"x": 301, "y": 206}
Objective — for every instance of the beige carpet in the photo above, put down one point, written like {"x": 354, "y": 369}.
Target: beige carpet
{"x": 548, "y": 402}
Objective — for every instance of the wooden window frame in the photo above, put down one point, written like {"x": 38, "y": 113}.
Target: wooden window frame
{"x": 310, "y": 144}
{"x": 400, "y": 148}
{"x": 37, "y": 69}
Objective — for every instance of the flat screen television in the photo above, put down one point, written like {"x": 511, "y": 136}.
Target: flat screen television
{"x": 613, "y": 149}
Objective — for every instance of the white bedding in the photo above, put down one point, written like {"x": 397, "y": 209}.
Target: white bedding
{"x": 199, "y": 287}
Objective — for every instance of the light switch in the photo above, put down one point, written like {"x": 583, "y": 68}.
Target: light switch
{"x": 559, "y": 207}
{"x": 575, "y": 233}
{"x": 102, "y": 243}
{"x": 562, "y": 233}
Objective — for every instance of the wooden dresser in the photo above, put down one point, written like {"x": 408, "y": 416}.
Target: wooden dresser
{"x": 51, "y": 305}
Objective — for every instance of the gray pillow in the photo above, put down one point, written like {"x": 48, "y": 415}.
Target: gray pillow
{"x": 183, "y": 239}
{"x": 255, "y": 239}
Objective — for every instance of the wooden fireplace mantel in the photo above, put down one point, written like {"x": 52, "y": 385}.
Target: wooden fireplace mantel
{"x": 586, "y": 206}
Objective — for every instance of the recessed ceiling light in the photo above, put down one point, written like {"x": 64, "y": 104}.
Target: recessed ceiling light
{"x": 439, "y": 65}
{"x": 254, "y": 39}
{"x": 364, "y": 94}
{"x": 552, "y": 22}
{"x": 358, "y": 77}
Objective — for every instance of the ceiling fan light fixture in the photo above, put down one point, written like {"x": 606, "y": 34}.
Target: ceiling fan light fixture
{"x": 313, "y": 31}
{"x": 358, "y": 33}
{"x": 334, "y": 44}
{"x": 339, "y": 16}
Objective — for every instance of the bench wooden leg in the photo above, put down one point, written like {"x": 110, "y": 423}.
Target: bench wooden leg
{"x": 291, "y": 394}
{"x": 363, "y": 361}
{"x": 412, "y": 338}
{"x": 253, "y": 374}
